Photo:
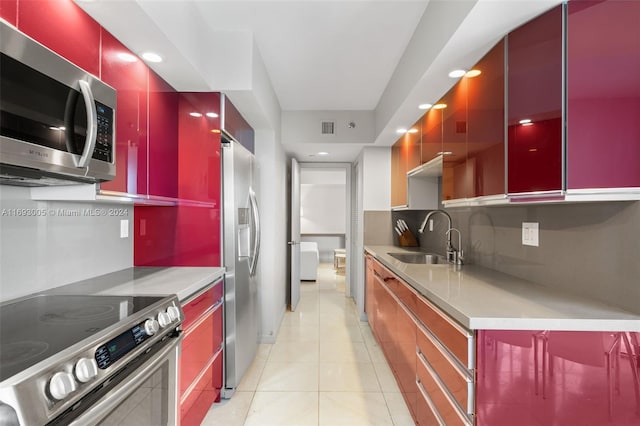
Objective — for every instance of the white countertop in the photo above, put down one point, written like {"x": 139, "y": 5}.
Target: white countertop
{"x": 480, "y": 298}
{"x": 147, "y": 281}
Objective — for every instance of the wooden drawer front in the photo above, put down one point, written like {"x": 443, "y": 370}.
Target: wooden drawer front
{"x": 198, "y": 305}
{"x": 447, "y": 411}
{"x": 456, "y": 381}
{"x": 425, "y": 415}
{"x": 195, "y": 405}
{"x": 199, "y": 345}
{"x": 451, "y": 336}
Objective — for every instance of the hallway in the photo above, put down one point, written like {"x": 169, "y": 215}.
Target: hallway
{"x": 324, "y": 369}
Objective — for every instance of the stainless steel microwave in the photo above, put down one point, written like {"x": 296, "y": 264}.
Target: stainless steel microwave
{"x": 57, "y": 123}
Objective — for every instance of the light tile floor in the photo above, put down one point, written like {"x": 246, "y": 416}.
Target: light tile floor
{"x": 324, "y": 369}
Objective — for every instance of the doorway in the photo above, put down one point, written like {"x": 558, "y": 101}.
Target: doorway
{"x": 323, "y": 221}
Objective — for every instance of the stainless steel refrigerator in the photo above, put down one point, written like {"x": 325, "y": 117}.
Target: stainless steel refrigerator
{"x": 241, "y": 247}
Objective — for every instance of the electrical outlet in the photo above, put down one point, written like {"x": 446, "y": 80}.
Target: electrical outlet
{"x": 124, "y": 228}
{"x": 530, "y": 234}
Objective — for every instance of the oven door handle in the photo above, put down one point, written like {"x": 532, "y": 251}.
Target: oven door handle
{"x": 118, "y": 394}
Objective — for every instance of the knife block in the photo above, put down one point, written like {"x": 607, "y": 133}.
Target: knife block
{"x": 407, "y": 239}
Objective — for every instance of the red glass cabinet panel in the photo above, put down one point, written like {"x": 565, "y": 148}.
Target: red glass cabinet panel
{"x": 405, "y": 362}
{"x": 237, "y": 126}
{"x": 197, "y": 350}
{"x": 431, "y": 141}
{"x": 9, "y": 11}
{"x": 573, "y": 392}
{"x": 603, "y": 100}
{"x": 414, "y": 137}
{"x": 206, "y": 391}
{"x": 457, "y": 170}
{"x": 130, "y": 79}
{"x": 64, "y": 28}
{"x": 535, "y": 93}
{"x": 485, "y": 123}
{"x": 369, "y": 299}
{"x": 399, "y": 189}
{"x": 199, "y": 160}
{"x": 163, "y": 140}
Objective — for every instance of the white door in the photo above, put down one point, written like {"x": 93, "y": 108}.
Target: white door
{"x": 295, "y": 235}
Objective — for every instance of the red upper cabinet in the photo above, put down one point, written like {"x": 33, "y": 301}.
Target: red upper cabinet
{"x": 603, "y": 100}
{"x": 129, "y": 76}
{"x": 163, "y": 139}
{"x": 64, "y": 28}
{"x": 485, "y": 123}
{"x": 9, "y": 11}
{"x": 234, "y": 124}
{"x": 431, "y": 141}
{"x": 457, "y": 169}
{"x": 199, "y": 163}
{"x": 535, "y": 105}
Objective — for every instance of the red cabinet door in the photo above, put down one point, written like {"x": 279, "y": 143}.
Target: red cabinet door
{"x": 603, "y": 100}
{"x": 128, "y": 75}
{"x": 9, "y": 11}
{"x": 431, "y": 141}
{"x": 535, "y": 105}
{"x": 485, "y": 125}
{"x": 163, "y": 138}
{"x": 199, "y": 132}
{"x": 457, "y": 170}
{"x": 64, "y": 28}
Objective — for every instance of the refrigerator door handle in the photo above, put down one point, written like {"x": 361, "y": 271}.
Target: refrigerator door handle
{"x": 256, "y": 233}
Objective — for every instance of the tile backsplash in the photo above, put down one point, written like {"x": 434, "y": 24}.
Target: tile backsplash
{"x": 46, "y": 244}
{"x": 587, "y": 248}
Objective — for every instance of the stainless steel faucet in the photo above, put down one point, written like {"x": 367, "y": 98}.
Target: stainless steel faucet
{"x": 452, "y": 254}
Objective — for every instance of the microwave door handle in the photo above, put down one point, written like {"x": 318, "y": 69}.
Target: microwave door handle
{"x": 92, "y": 124}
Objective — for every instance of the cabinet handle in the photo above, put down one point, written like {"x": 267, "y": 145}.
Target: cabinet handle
{"x": 429, "y": 402}
{"x": 445, "y": 391}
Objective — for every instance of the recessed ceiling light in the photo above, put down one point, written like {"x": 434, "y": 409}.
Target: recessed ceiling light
{"x": 323, "y": 153}
{"x": 457, "y": 73}
{"x": 195, "y": 114}
{"x": 212, "y": 115}
{"x": 439, "y": 106}
{"x": 424, "y": 106}
{"x": 401, "y": 130}
{"x": 525, "y": 121}
{"x": 414, "y": 130}
{"x": 127, "y": 57}
{"x": 473, "y": 73}
{"x": 151, "y": 57}
{"x": 215, "y": 131}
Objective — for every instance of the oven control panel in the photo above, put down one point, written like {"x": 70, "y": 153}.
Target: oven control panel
{"x": 119, "y": 346}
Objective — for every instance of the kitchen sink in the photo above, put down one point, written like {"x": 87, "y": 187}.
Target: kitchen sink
{"x": 424, "y": 258}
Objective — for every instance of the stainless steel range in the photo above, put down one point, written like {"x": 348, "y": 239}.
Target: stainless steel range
{"x": 89, "y": 360}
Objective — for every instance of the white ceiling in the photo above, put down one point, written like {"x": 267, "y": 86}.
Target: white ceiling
{"x": 376, "y": 56}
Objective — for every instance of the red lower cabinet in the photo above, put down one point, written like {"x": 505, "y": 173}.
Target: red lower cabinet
{"x": 201, "y": 356}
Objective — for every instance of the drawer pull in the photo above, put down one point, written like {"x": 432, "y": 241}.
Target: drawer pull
{"x": 429, "y": 402}
{"x": 445, "y": 391}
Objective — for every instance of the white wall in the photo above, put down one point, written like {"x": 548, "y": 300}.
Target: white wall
{"x": 372, "y": 192}
{"x": 376, "y": 169}
{"x": 322, "y": 209}
{"x": 272, "y": 265}
{"x": 46, "y": 244}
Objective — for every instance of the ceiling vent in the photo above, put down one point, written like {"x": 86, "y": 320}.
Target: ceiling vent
{"x": 328, "y": 127}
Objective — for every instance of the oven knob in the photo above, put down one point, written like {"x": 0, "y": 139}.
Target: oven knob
{"x": 61, "y": 385}
{"x": 174, "y": 313}
{"x": 151, "y": 327}
{"x": 85, "y": 369}
{"x": 164, "y": 319}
